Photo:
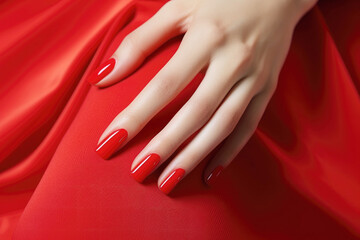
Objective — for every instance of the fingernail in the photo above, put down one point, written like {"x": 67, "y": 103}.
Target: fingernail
{"x": 102, "y": 71}
{"x": 111, "y": 143}
{"x": 170, "y": 182}
{"x": 211, "y": 179}
{"x": 145, "y": 167}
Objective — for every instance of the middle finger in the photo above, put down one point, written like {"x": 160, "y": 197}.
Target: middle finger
{"x": 193, "y": 53}
{"x": 220, "y": 77}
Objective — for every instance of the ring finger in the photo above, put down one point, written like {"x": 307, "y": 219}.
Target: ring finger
{"x": 216, "y": 130}
{"x": 219, "y": 79}
{"x": 193, "y": 53}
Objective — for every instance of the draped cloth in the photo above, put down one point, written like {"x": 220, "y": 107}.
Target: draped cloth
{"x": 297, "y": 178}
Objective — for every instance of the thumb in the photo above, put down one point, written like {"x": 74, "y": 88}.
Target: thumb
{"x": 137, "y": 45}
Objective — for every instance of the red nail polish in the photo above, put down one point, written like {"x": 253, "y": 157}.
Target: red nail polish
{"x": 145, "y": 167}
{"x": 211, "y": 179}
{"x": 102, "y": 71}
{"x": 111, "y": 143}
{"x": 170, "y": 182}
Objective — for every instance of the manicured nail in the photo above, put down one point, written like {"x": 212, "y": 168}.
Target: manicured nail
{"x": 145, "y": 167}
{"x": 111, "y": 143}
{"x": 211, "y": 179}
{"x": 170, "y": 182}
{"x": 102, "y": 71}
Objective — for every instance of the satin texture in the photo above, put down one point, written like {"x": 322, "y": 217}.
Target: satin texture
{"x": 297, "y": 178}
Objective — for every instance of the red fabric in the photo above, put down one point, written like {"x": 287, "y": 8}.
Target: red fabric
{"x": 297, "y": 178}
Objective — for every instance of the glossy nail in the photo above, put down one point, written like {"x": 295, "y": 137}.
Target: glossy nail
{"x": 102, "y": 71}
{"x": 211, "y": 179}
{"x": 111, "y": 143}
{"x": 170, "y": 182}
{"x": 145, "y": 167}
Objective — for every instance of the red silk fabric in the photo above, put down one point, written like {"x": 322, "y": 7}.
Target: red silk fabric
{"x": 297, "y": 178}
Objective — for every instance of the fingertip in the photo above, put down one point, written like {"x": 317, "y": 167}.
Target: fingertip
{"x": 211, "y": 178}
{"x": 113, "y": 142}
{"x": 102, "y": 71}
{"x": 169, "y": 183}
{"x": 145, "y": 167}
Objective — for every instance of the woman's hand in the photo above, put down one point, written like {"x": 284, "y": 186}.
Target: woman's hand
{"x": 243, "y": 44}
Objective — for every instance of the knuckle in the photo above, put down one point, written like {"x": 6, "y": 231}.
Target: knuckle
{"x": 177, "y": 11}
{"x": 269, "y": 86}
{"x": 259, "y": 82}
{"x": 250, "y": 125}
{"x": 230, "y": 119}
{"x": 243, "y": 57}
{"x": 246, "y": 52}
{"x": 238, "y": 59}
{"x": 247, "y": 49}
{"x": 239, "y": 48}
{"x": 129, "y": 40}
{"x": 196, "y": 156}
{"x": 212, "y": 30}
{"x": 252, "y": 84}
{"x": 164, "y": 140}
{"x": 257, "y": 86}
{"x": 131, "y": 43}
{"x": 169, "y": 6}
{"x": 129, "y": 118}
{"x": 202, "y": 107}
{"x": 173, "y": 7}
{"x": 169, "y": 9}
{"x": 164, "y": 84}
{"x": 272, "y": 83}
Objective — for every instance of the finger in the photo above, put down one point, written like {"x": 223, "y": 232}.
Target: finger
{"x": 238, "y": 137}
{"x": 216, "y": 129}
{"x": 140, "y": 43}
{"x": 192, "y": 54}
{"x": 220, "y": 77}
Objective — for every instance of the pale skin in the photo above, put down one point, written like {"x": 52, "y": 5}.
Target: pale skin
{"x": 242, "y": 44}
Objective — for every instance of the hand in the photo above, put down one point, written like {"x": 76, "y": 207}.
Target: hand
{"x": 243, "y": 44}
